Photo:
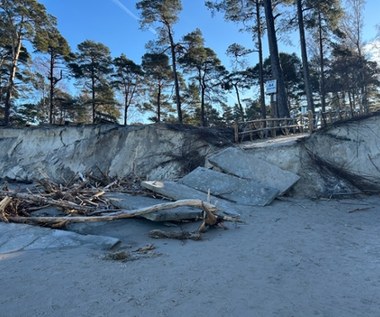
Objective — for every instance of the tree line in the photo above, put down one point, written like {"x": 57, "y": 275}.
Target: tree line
{"x": 180, "y": 79}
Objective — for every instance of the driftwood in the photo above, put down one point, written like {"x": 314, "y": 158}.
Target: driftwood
{"x": 210, "y": 214}
{"x": 84, "y": 202}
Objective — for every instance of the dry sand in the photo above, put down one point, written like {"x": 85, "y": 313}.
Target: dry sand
{"x": 293, "y": 258}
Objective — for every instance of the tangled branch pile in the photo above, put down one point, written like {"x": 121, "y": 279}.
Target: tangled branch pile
{"x": 84, "y": 202}
{"x": 80, "y": 198}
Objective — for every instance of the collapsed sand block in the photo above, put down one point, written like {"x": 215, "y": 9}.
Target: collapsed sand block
{"x": 242, "y": 164}
{"x": 242, "y": 191}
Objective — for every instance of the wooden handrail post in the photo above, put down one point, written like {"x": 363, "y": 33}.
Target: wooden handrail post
{"x": 301, "y": 123}
{"x": 236, "y": 131}
{"x": 311, "y": 121}
{"x": 330, "y": 117}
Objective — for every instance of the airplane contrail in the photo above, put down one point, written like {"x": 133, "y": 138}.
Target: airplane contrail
{"x": 129, "y": 12}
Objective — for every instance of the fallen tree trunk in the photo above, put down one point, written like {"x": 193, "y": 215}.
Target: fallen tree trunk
{"x": 210, "y": 210}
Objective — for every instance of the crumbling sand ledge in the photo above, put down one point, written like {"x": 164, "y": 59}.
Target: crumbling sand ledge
{"x": 62, "y": 152}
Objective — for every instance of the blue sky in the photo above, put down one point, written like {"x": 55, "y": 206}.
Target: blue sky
{"x": 115, "y": 24}
{"x": 107, "y": 22}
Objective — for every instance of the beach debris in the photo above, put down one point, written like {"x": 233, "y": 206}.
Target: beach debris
{"x": 86, "y": 202}
{"x": 147, "y": 251}
{"x": 179, "y": 235}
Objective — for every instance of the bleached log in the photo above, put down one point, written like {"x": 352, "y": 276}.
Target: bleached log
{"x": 210, "y": 210}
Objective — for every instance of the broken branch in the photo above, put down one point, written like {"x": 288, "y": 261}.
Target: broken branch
{"x": 4, "y": 204}
{"x": 46, "y": 201}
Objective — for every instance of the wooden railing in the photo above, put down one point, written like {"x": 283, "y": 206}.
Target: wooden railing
{"x": 329, "y": 117}
{"x": 305, "y": 123}
{"x": 264, "y": 128}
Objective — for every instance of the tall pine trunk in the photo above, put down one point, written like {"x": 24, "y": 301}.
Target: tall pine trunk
{"x": 159, "y": 103}
{"x": 203, "y": 92}
{"x": 51, "y": 99}
{"x": 240, "y": 106}
{"x": 11, "y": 81}
{"x": 93, "y": 95}
{"x": 125, "y": 107}
{"x": 322, "y": 65}
{"x": 282, "y": 100}
{"x": 175, "y": 74}
{"x": 261, "y": 62}
{"x": 128, "y": 100}
{"x": 305, "y": 62}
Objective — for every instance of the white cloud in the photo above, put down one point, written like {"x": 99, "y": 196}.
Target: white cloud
{"x": 129, "y": 12}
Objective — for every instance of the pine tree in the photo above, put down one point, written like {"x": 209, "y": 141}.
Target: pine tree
{"x": 127, "y": 78}
{"x": 240, "y": 78}
{"x": 21, "y": 21}
{"x": 206, "y": 68}
{"x": 165, "y": 14}
{"x": 249, "y": 14}
{"x": 158, "y": 76}
{"x": 323, "y": 17}
{"x": 93, "y": 65}
{"x": 50, "y": 41}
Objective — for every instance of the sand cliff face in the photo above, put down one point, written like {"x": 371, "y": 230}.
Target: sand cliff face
{"x": 342, "y": 159}
{"x": 59, "y": 153}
